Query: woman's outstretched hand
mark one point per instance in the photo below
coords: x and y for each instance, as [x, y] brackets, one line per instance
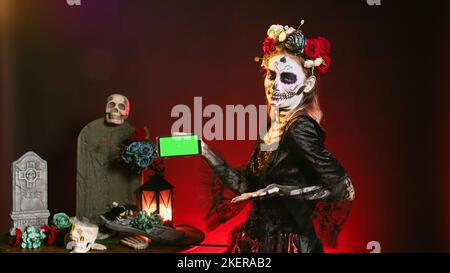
[248, 196]
[244, 197]
[271, 190]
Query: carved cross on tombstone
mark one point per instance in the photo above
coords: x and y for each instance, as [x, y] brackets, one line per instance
[29, 189]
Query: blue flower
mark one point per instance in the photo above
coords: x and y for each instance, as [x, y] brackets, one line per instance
[146, 222]
[140, 153]
[143, 162]
[156, 219]
[32, 237]
[133, 147]
[127, 157]
[61, 220]
[144, 149]
[147, 149]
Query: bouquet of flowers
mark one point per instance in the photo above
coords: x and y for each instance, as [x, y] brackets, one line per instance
[32, 237]
[141, 152]
[145, 222]
[315, 51]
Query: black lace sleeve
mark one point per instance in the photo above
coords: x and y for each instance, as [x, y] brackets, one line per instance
[220, 187]
[305, 138]
[234, 178]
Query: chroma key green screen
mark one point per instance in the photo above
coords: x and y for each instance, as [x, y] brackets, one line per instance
[178, 146]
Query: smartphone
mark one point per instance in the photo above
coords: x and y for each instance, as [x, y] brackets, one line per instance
[172, 146]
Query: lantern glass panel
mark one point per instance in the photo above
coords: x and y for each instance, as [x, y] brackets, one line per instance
[150, 204]
[165, 205]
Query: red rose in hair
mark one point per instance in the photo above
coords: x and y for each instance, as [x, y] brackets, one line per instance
[268, 45]
[325, 46]
[312, 48]
[18, 237]
[322, 69]
[139, 134]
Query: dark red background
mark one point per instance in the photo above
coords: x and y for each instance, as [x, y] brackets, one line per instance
[385, 98]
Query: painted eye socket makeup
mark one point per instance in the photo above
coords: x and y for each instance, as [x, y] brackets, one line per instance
[271, 75]
[288, 78]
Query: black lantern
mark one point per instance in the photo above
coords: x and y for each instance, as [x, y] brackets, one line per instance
[156, 195]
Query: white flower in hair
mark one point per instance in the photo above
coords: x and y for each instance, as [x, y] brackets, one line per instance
[308, 64]
[318, 62]
[274, 31]
[278, 32]
[282, 36]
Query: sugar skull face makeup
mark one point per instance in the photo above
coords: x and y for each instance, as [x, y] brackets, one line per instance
[284, 82]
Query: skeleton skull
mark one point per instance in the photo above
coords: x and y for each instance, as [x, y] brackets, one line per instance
[82, 237]
[117, 109]
[284, 82]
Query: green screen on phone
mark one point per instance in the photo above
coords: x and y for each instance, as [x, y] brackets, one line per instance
[178, 146]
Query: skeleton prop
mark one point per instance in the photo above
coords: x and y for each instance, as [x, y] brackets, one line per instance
[135, 242]
[82, 237]
[117, 109]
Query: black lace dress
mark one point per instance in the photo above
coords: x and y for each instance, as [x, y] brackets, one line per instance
[282, 223]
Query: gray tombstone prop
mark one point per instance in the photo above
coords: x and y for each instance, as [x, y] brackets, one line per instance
[29, 189]
[101, 178]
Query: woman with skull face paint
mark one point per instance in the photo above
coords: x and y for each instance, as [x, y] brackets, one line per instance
[301, 193]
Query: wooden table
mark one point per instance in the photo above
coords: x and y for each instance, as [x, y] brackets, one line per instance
[193, 237]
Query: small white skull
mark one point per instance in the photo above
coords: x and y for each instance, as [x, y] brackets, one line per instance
[117, 109]
[83, 236]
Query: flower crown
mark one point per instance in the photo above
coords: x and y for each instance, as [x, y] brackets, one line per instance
[315, 51]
